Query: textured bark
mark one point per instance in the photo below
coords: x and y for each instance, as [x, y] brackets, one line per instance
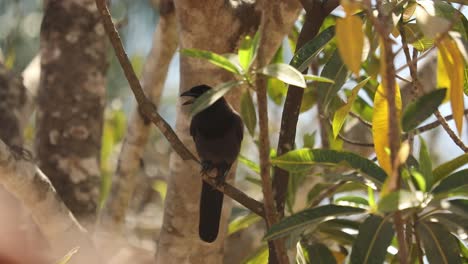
[154, 76]
[71, 100]
[217, 26]
[13, 101]
[28, 184]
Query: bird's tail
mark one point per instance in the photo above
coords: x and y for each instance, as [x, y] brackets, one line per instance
[211, 204]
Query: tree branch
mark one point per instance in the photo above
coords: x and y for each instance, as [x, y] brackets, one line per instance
[25, 181]
[165, 43]
[450, 132]
[149, 110]
[316, 12]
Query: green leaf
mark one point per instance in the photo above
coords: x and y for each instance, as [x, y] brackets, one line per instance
[303, 159]
[65, 259]
[300, 220]
[243, 222]
[245, 53]
[260, 256]
[248, 112]
[440, 246]
[454, 223]
[277, 89]
[375, 235]
[399, 200]
[342, 112]
[336, 70]
[355, 201]
[309, 140]
[452, 182]
[249, 163]
[214, 58]
[425, 164]
[315, 78]
[211, 96]
[307, 53]
[319, 254]
[285, 73]
[419, 110]
[448, 167]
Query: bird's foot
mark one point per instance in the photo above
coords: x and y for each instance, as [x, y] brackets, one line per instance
[221, 180]
[206, 167]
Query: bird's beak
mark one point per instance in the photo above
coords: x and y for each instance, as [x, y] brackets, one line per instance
[191, 100]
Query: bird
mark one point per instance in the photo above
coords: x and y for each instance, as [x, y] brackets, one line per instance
[217, 131]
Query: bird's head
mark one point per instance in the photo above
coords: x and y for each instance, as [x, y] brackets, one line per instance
[195, 92]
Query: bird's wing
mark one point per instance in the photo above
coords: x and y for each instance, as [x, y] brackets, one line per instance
[239, 126]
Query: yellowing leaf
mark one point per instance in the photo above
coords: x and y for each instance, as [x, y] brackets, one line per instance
[350, 7]
[350, 41]
[443, 80]
[454, 66]
[342, 112]
[380, 126]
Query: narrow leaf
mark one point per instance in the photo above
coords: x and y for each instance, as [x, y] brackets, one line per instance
[335, 70]
[307, 53]
[342, 112]
[380, 126]
[242, 222]
[285, 73]
[448, 167]
[454, 67]
[302, 219]
[425, 163]
[316, 78]
[319, 254]
[419, 110]
[452, 182]
[214, 58]
[245, 52]
[375, 235]
[65, 259]
[248, 112]
[439, 245]
[350, 41]
[249, 163]
[211, 96]
[303, 159]
[399, 200]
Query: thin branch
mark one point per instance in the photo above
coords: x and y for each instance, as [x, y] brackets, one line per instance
[354, 142]
[146, 106]
[450, 132]
[362, 120]
[149, 110]
[434, 124]
[155, 70]
[326, 193]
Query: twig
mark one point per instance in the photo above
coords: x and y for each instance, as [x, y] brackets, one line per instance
[325, 193]
[149, 110]
[434, 124]
[362, 120]
[450, 132]
[354, 142]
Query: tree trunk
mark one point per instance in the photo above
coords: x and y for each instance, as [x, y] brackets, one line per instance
[216, 26]
[71, 101]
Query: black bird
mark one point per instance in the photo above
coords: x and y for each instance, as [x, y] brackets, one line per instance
[217, 131]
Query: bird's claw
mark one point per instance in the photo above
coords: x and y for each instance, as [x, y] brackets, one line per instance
[206, 167]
